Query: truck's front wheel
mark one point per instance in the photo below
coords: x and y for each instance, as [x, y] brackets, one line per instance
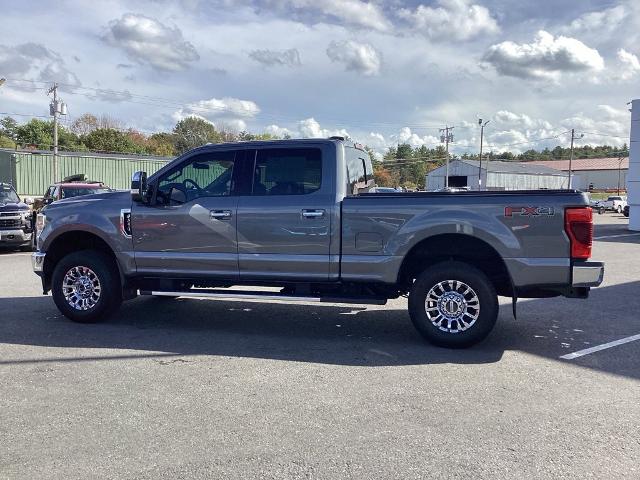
[86, 287]
[453, 305]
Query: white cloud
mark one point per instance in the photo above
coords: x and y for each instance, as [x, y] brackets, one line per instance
[34, 61]
[598, 21]
[351, 12]
[630, 65]
[271, 58]
[452, 19]
[148, 41]
[221, 107]
[547, 57]
[310, 128]
[278, 131]
[225, 113]
[362, 58]
[505, 117]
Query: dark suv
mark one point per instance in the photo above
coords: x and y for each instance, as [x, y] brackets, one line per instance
[15, 219]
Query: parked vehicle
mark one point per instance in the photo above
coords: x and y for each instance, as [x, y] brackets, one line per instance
[297, 215]
[614, 203]
[73, 186]
[15, 219]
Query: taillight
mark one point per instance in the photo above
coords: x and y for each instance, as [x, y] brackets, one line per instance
[578, 223]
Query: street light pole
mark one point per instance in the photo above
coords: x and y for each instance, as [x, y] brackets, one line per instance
[481, 140]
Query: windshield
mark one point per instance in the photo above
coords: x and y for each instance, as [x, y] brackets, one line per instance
[8, 195]
[69, 192]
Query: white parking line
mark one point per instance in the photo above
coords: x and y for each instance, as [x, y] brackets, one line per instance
[616, 236]
[597, 348]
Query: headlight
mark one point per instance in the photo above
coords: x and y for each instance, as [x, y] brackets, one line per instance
[41, 221]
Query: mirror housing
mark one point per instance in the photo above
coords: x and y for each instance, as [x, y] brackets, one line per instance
[138, 186]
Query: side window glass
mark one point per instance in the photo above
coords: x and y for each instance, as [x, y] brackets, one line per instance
[205, 175]
[359, 170]
[287, 171]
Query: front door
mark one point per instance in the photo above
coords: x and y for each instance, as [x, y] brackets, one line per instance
[284, 222]
[189, 227]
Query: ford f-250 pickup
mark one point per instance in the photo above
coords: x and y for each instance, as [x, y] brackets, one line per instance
[296, 215]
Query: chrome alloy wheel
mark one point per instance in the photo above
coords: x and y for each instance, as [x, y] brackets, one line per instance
[452, 306]
[81, 288]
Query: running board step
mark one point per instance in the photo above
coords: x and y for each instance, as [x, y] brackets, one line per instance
[253, 295]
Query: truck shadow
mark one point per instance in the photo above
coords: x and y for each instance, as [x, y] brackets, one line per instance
[152, 327]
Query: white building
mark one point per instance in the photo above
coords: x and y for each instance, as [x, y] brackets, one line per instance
[500, 176]
[599, 173]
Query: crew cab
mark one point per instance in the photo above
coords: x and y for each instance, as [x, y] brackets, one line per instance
[296, 215]
[615, 203]
[15, 219]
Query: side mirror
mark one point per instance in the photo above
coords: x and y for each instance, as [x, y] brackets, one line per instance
[138, 186]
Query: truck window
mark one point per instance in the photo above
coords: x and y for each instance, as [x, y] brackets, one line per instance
[204, 175]
[359, 170]
[287, 171]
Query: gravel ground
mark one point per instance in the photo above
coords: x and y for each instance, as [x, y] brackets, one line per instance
[208, 389]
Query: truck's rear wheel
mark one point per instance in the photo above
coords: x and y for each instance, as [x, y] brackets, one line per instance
[453, 304]
[86, 287]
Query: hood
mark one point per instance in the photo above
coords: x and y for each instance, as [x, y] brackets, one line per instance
[12, 207]
[100, 201]
[116, 196]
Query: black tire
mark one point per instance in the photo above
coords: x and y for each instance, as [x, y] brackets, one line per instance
[454, 334]
[619, 209]
[601, 210]
[106, 272]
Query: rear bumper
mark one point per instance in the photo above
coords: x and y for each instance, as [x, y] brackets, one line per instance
[587, 274]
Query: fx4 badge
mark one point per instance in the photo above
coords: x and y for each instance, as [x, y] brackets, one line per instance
[528, 211]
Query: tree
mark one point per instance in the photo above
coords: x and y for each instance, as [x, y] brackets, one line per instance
[8, 127]
[161, 144]
[192, 132]
[110, 140]
[84, 124]
[6, 142]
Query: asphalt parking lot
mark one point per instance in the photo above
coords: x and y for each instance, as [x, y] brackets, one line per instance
[202, 389]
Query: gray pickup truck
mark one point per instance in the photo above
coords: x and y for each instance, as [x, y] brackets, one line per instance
[297, 215]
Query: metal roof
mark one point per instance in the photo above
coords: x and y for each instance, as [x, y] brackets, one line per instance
[525, 168]
[578, 164]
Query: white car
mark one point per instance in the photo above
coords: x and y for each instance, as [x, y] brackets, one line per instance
[614, 203]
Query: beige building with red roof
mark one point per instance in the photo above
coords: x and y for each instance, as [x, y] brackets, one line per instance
[600, 173]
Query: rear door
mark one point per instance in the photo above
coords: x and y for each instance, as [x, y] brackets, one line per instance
[189, 227]
[284, 221]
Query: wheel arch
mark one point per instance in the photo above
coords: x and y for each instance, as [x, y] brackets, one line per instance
[73, 241]
[459, 247]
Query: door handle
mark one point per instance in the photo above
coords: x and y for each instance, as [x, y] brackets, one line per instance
[220, 214]
[312, 213]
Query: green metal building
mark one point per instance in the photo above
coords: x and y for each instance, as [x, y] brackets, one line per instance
[30, 171]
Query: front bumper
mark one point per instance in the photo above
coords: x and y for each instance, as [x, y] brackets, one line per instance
[37, 261]
[14, 237]
[587, 274]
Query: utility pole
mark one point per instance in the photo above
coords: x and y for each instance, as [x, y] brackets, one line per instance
[619, 172]
[482, 125]
[56, 108]
[446, 136]
[573, 137]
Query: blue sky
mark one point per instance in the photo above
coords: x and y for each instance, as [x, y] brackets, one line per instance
[382, 72]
